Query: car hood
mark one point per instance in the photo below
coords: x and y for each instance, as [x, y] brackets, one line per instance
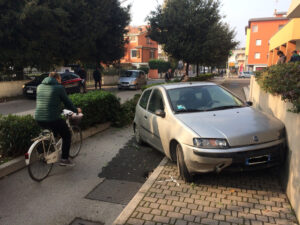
[127, 79]
[238, 126]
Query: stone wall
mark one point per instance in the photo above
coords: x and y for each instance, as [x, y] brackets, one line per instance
[11, 88]
[273, 105]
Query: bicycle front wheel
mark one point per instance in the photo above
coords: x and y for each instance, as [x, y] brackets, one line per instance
[38, 167]
[76, 141]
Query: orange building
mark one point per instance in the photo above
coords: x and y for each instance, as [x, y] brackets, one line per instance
[259, 31]
[140, 48]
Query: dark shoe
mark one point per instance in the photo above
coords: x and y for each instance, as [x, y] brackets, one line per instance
[66, 162]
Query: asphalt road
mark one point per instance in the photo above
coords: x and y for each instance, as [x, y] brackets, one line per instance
[27, 106]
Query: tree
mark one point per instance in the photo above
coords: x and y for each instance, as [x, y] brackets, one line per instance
[186, 30]
[46, 33]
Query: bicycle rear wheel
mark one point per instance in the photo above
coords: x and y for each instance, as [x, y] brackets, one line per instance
[76, 141]
[38, 168]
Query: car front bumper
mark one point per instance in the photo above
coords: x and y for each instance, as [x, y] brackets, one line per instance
[127, 86]
[238, 159]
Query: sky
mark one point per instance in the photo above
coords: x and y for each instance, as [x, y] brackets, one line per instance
[236, 12]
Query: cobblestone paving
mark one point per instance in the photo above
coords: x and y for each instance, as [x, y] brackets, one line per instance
[252, 198]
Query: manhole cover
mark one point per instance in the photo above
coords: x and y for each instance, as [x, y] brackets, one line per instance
[115, 191]
[79, 221]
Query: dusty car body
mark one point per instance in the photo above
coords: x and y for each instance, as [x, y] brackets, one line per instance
[132, 79]
[209, 131]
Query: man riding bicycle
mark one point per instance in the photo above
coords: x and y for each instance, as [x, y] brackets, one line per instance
[49, 96]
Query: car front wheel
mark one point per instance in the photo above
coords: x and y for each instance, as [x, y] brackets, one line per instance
[181, 166]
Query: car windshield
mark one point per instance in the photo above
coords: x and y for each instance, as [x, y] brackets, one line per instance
[130, 74]
[202, 98]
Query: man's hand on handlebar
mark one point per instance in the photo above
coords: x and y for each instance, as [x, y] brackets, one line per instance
[79, 110]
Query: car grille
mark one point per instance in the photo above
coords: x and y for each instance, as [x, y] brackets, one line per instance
[125, 82]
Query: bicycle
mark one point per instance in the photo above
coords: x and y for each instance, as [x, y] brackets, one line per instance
[45, 150]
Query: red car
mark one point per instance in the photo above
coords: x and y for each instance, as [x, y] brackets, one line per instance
[71, 81]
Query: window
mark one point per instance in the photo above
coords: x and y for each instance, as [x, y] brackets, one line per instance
[254, 28]
[148, 40]
[135, 53]
[132, 38]
[258, 42]
[152, 54]
[257, 56]
[156, 101]
[144, 99]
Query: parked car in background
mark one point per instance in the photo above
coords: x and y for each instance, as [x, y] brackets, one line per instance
[246, 74]
[71, 82]
[132, 79]
[206, 128]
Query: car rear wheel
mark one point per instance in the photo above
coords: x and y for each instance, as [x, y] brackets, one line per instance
[138, 135]
[182, 169]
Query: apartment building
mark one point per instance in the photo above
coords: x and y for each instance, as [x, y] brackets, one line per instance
[140, 48]
[259, 31]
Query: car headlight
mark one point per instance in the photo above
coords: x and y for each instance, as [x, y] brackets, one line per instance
[281, 134]
[210, 143]
[23, 86]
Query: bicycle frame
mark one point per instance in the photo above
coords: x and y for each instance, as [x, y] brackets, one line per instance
[53, 156]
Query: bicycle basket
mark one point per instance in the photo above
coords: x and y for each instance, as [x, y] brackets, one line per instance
[75, 119]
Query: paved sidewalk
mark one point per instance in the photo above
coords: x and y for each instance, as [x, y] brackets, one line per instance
[252, 198]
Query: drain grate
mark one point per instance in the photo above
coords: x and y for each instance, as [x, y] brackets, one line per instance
[79, 221]
[115, 191]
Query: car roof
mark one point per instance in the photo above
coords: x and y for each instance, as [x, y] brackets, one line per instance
[185, 84]
[135, 70]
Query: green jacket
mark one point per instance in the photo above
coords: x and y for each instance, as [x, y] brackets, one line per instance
[49, 96]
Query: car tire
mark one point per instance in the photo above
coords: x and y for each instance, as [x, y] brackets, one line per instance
[181, 166]
[137, 135]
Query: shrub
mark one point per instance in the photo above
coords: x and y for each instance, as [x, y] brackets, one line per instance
[126, 114]
[161, 65]
[202, 77]
[97, 106]
[145, 69]
[16, 133]
[284, 80]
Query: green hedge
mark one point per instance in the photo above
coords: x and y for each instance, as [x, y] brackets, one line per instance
[16, 133]
[126, 114]
[97, 106]
[161, 65]
[202, 77]
[284, 80]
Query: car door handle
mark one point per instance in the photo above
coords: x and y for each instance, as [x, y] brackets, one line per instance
[145, 117]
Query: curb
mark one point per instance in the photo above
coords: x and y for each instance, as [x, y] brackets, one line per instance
[19, 163]
[131, 206]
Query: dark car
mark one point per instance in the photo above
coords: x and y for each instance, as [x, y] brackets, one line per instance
[71, 82]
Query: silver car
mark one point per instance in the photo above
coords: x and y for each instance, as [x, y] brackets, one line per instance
[132, 79]
[205, 128]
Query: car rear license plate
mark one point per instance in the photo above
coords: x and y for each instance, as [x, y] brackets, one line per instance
[258, 160]
[30, 91]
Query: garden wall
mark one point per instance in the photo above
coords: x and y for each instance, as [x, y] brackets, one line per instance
[273, 105]
[11, 88]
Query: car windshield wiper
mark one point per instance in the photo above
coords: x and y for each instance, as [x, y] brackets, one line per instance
[189, 110]
[224, 107]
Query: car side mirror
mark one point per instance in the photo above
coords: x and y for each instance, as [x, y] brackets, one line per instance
[160, 113]
[249, 103]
